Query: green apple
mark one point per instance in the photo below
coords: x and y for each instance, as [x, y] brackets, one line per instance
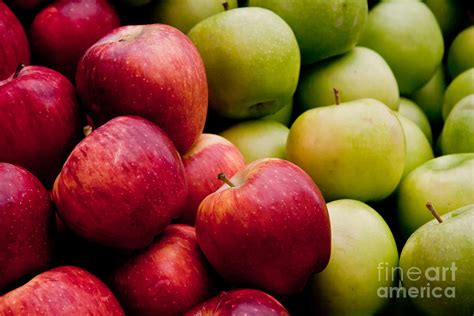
[461, 52]
[418, 148]
[352, 150]
[440, 257]
[361, 244]
[413, 112]
[258, 139]
[446, 181]
[408, 37]
[184, 14]
[458, 131]
[283, 115]
[460, 87]
[252, 61]
[449, 13]
[358, 74]
[323, 28]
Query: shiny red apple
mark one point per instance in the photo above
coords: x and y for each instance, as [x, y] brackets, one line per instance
[122, 184]
[153, 71]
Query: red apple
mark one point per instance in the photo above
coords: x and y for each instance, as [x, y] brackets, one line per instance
[167, 278]
[64, 30]
[14, 48]
[268, 228]
[26, 222]
[209, 156]
[240, 302]
[40, 120]
[66, 290]
[153, 71]
[122, 184]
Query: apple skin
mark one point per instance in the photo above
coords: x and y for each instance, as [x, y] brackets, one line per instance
[252, 61]
[414, 113]
[458, 131]
[450, 15]
[344, 148]
[439, 245]
[240, 302]
[452, 173]
[159, 74]
[209, 156]
[283, 115]
[461, 51]
[258, 139]
[15, 48]
[65, 290]
[64, 30]
[41, 120]
[167, 278]
[460, 87]
[26, 225]
[360, 73]
[122, 184]
[323, 28]
[271, 231]
[412, 56]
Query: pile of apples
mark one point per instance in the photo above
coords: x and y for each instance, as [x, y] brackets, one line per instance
[213, 157]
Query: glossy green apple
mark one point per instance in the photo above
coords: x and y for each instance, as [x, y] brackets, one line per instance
[440, 255]
[358, 74]
[446, 181]
[461, 52]
[352, 150]
[449, 13]
[323, 28]
[361, 244]
[413, 112]
[258, 139]
[412, 55]
[252, 61]
[460, 87]
[184, 14]
[458, 131]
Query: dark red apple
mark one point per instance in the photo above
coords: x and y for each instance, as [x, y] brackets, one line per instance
[268, 228]
[14, 48]
[64, 30]
[122, 184]
[167, 278]
[66, 290]
[240, 302]
[40, 120]
[26, 223]
[153, 71]
[209, 156]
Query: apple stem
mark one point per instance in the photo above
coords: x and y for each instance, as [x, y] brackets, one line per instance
[18, 69]
[225, 4]
[87, 130]
[221, 176]
[336, 96]
[433, 211]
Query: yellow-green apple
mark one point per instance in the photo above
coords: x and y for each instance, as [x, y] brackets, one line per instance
[322, 28]
[14, 49]
[361, 73]
[362, 244]
[446, 181]
[414, 113]
[413, 56]
[122, 184]
[209, 156]
[460, 87]
[267, 227]
[439, 256]
[26, 225]
[458, 131]
[167, 278]
[64, 30]
[252, 61]
[159, 74]
[41, 121]
[450, 15]
[258, 139]
[184, 14]
[62, 291]
[460, 53]
[345, 149]
[240, 302]
[283, 115]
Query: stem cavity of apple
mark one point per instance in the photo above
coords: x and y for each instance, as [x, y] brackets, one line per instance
[336, 96]
[221, 176]
[87, 130]
[225, 4]
[18, 69]
[433, 211]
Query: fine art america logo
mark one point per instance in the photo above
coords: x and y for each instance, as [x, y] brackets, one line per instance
[426, 280]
